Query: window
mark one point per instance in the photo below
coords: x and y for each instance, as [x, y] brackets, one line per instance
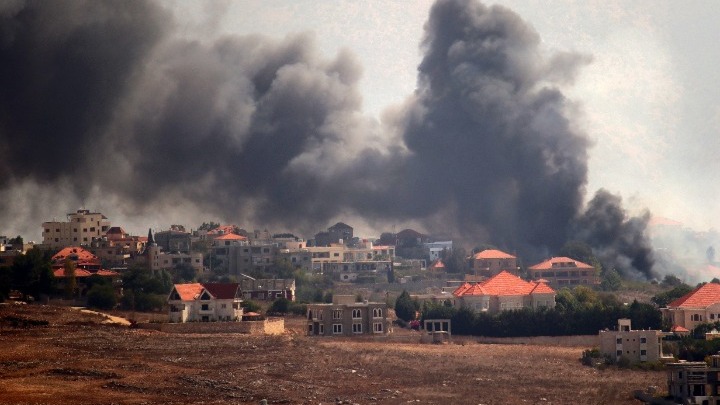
[619, 353]
[92, 229]
[337, 328]
[322, 329]
[618, 341]
[377, 312]
[643, 352]
[223, 306]
[84, 230]
[643, 340]
[356, 314]
[310, 329]
[377, 327]
[337, 313]
[320, 314]
[205, 307]
[357, 328]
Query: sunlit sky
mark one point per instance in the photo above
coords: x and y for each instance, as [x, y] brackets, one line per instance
[649, 98]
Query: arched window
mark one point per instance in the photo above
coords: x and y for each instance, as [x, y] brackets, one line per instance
[356, 314]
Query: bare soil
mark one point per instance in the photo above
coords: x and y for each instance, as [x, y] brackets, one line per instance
[58, 355]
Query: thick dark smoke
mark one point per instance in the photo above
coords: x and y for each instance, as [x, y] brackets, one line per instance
[103, 101]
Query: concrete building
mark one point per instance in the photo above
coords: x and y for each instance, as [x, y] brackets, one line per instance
[81, 228]
[435, 249]
[267, 289]
[698, 306]
[634, 345]
[693, 382]
[173, 241]
[345, 317]
[206, 302]
[504, 291]
[491, 262]
[563, 272]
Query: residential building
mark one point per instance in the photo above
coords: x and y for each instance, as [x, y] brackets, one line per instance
[345, 317]
[410, 238]
[340, 233]
[205, 302]
[173, 241]
[157, 260]
[267, 289]
[225, 248]
[86, 265]
[696, 307]
[694, 382]
[504, 291]
[491, 262]
[564, 271]
[435, 249]
[81, 228]
[437, 267]
[634, 345]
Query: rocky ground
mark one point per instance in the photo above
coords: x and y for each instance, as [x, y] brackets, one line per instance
[56, 355]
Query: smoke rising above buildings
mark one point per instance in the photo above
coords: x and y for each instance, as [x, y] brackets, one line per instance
[102, 101]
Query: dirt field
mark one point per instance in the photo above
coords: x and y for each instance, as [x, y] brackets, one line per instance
[75, 359]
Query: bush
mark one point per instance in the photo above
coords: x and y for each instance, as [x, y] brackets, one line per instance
[250, 306]
[102, 297]
[298, 308]
[279, 306]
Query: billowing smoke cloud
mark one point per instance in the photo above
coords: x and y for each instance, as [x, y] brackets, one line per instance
[105, 103]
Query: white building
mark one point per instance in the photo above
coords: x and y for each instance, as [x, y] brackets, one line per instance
[435, 249]
[206, 302]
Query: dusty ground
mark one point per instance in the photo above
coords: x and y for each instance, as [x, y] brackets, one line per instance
[75, 359]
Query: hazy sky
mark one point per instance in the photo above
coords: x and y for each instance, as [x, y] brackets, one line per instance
[649, 97]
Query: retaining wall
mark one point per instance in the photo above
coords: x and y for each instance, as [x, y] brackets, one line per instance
[272, 326]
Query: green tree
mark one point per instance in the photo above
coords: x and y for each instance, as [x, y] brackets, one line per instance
[671, 280]
[279, 306]
[455, 260]
[32, 274]
[611, 280]
[404, 307]
[663, 299]
[208, 226]
[102, 297]
[4, 283]
[250, 306]
[184, 272]
[18, 240]
[69, 279]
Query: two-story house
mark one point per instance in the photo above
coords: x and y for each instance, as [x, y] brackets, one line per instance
[564, 271]
[634, 345]
[491, 262]
[345, 317]
[698, 306]
[504, 291]
[205, 302]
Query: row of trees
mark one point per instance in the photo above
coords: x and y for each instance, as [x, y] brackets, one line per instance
[581, 311]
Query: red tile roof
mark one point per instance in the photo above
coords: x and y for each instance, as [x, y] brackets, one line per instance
[192, 291]
[79, 273]
[83, 256]
[438, 264]
[503, 283]
[493, 254]
[560, 262]
[223, 229]
[701, 297]
[230, 236]
[189, 292]
[678, 328]
[222, 291]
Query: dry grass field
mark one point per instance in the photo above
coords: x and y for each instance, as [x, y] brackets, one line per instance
[75, 359]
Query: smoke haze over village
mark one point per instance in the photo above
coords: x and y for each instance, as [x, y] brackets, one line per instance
[154, 113]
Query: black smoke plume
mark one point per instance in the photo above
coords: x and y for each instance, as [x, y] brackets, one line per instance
[101, 101]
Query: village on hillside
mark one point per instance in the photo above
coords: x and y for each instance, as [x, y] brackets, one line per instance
[225, 279]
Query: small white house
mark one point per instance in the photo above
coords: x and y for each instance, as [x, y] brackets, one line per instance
[205, 302]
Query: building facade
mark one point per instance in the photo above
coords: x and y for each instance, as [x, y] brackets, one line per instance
[345, 317]
[694, 382]
[634, 345]
[205, 302]
[81, 228]
[491, 262]
[698, 306]
[268, 289]
[504, 291]
[564, 271]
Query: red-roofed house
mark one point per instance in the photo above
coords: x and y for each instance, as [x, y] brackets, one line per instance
[205, 302]
[504, 291]
[696, 307]
[491, 262]
[437, 266]
[564, 271]
[86, 265]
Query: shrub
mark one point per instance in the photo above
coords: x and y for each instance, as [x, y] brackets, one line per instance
[102, 297]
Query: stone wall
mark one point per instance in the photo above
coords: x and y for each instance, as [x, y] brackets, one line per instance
[587, 341]
[271, 326]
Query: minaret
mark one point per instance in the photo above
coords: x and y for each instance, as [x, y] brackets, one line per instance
[151, 250]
